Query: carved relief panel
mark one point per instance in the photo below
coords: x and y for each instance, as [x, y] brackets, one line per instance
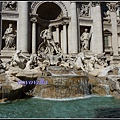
[84, 9]
[9, 6]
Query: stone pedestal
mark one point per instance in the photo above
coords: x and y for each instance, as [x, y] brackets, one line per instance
[6, 55]
[115, 60]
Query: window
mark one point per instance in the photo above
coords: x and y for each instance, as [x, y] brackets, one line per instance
[106, 41]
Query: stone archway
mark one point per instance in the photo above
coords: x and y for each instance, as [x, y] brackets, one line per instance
[35, 6]
[49, 13]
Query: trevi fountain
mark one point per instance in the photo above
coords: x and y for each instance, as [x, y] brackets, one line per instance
[51, 76]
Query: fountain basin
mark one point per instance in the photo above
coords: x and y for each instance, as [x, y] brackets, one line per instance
[58, 87]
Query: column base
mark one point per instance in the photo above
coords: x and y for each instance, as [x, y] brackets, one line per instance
[6, 55]
[115, 60]
[26, 54]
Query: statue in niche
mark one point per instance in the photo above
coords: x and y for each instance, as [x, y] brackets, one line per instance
[84, 10]
[85, 37]
[9, 5]
[9, 37]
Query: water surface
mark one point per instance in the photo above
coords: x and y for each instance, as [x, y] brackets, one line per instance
[92, 107]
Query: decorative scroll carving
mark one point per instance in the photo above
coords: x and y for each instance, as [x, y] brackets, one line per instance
[9, 5]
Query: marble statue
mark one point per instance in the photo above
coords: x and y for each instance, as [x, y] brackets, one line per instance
[9, 37]
[64, 61]
[29, 64]
[16, 61]
[49, 49]
[48, 46]
[79, 63]
[93, 63]
[85, 37]
[46, 34]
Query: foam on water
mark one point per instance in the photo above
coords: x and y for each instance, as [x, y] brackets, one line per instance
[5, 102]
[69, 99]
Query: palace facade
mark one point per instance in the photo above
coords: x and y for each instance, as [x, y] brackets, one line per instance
[68, 20]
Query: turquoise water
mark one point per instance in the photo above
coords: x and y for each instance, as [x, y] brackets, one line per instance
[93, 107]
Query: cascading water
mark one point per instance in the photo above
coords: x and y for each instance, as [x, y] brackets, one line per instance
[62, 85]
[105, 86]
[107, 89]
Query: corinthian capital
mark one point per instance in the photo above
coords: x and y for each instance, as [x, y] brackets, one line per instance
[112, 6]
[33, 17]
[94, 4]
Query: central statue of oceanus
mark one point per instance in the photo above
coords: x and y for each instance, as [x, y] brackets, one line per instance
[49, 46]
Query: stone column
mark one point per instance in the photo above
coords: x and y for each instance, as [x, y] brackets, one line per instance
[57, 33]
[34, 20]
[110, 40]
[73, 42]
[33, 38]
[64, 40]
[0, 26]
[112, 7]
[97, 36]
[22, 28]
